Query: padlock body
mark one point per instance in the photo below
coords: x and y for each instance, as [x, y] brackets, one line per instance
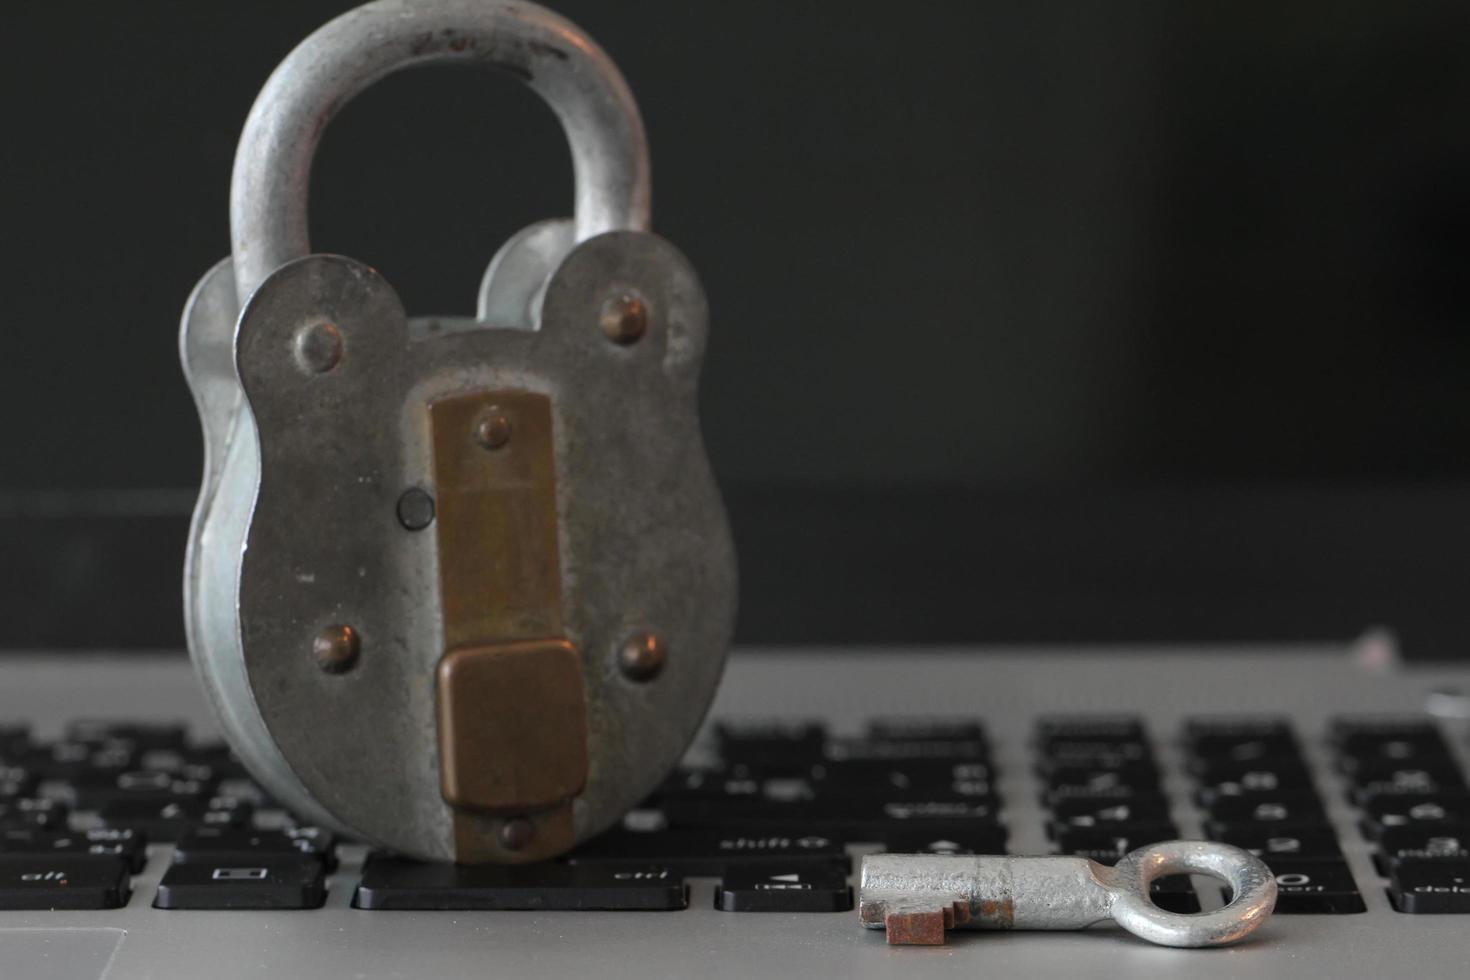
[598, 519]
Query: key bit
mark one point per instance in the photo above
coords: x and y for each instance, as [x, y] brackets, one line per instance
[918, 897]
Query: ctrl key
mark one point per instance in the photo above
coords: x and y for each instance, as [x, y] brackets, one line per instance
[63, 881]
[1430, 887]
[390, 883]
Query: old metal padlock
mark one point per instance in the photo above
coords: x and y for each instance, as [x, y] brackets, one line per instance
[459, 588]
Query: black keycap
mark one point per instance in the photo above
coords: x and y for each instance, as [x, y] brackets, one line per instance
[902, 771]
[1417, 844]
[218, 808]
[1265, 743]
[1391, 755]
[22, 812]
[141, 734]
[62, 881]
[1092, 813]
[245, 790]
[757, 770]
[1175, 894]
[1139, 773]
[96, 791]
[1219, 770]
[241, 845]
[926, 729]
[273, 817]
[959, 839]
[783, 888]
[1344, 727]
[1416, 810]
[1260, 750]
[216, 756]
[1271, 809]
[280, 883]
[711, 854]
[98, 841]
[1246, 780]
[911, 813]
[846, 818]
[875, 777]
[780, 789]
[1094, 728]
[184, 764]
[393, 883]
[1086, 754]
[1100, 784]
[165, 822]
[66, 761]
[15, 781]
[1395, 779]
[1314, 887]
[977, 791]
[1428, 750]
[1388, 739]
[1431, 887]
[715, 783]
[779, 741]
[1265, 842]
[1223, 830]
[1235, 727]
[1108, 847]
[907, 750]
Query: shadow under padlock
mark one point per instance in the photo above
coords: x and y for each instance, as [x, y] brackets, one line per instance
[460, 588]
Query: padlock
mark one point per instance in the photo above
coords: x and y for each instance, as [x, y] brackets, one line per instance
[459, 588]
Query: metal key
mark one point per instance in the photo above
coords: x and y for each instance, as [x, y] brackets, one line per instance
[916, 897]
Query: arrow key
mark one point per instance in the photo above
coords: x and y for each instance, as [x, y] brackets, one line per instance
[779, 888]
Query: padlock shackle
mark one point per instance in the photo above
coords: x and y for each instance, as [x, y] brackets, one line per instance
[268, 194]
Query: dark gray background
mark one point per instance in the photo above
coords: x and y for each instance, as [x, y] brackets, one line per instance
[1057, 321]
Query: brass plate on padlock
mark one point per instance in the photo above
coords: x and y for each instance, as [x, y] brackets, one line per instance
[512, 706]
[495, 484]
[512, 726]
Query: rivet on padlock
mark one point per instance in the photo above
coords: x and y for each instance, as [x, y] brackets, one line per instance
[460, 588]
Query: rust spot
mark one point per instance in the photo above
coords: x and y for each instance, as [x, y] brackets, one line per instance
[916, 928]
[1001, 913]
[449, 38]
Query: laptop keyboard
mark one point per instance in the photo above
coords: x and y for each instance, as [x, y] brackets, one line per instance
[776, 815]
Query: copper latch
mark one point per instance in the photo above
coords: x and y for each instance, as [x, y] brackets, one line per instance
[512, 703]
